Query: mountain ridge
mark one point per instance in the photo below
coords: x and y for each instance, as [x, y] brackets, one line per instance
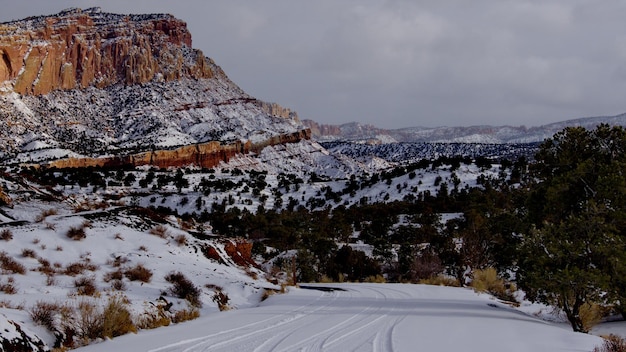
[486, 134]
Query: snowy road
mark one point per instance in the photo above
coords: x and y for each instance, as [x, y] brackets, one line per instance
[362, 317]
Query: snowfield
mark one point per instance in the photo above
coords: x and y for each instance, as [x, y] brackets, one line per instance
[362, 317]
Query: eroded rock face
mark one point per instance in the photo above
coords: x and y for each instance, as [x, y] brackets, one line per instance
[15, 338]
[207, 155]
[81, 48]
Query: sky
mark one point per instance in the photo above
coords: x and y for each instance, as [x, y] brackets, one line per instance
[406, 63]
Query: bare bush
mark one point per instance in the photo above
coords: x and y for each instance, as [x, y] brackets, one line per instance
[159, 231]
[44, 313]
[45, 213]
[86, 286]
[182, 287]
[185, 315]
[441, 280]
[117, 319]
[181, 240]
[28, 253]
[138, 273]
[76, 233]
[10, 265]
[487, 280]
[612, 343]
[8, 287]
[6, 235]
[78, 268]
[113, 275]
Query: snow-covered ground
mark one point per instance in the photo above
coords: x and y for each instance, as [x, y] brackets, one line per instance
[363, 317]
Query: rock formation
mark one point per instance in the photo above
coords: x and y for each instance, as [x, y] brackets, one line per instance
[81, 48]
[83, 84]
[207, 155]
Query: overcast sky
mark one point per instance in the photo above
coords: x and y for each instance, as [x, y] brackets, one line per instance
[405, 63]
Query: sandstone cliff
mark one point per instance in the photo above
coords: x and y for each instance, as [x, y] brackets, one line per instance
[208, 155]
[81, 48]
[83, 84]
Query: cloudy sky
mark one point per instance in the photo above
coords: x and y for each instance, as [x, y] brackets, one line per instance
[404, 63]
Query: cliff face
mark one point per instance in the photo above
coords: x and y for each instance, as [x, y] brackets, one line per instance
[81, 48]
[83, 84]
[207, 155]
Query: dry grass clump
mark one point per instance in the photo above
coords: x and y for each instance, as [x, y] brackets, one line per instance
[591, 313]
[10, 265]
[181, 240]
[45, 314]
[117, 319]
[185, 315]
[612, 343]
[28, 253]
[45, 213]
[375, 279]
[159, 231]
[76, 233]
[138, 273]
[6, 235]
[78, 268]
[441, 280]
[182, 287]
[8, 287]
[86, 286]
[113, 275]
[487, 280]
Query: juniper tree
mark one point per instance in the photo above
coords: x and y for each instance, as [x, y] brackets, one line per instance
[574, 252]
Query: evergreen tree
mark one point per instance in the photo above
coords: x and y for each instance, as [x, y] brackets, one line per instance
[574, 252]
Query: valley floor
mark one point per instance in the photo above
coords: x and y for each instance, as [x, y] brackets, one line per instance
[362, 317]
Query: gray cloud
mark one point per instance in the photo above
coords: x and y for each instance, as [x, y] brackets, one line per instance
[400, 63]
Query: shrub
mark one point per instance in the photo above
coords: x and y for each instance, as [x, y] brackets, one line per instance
[612, 343]
[113, 275]
[28, 253]
[222, 300]
[159, 231]
[184, 288]
[10, 265]
[43, 313]
[181, 240]
[117, 318]
[44, 214]
[85, 286]
[78, 268]
[375, 279]
[441, 280]
[138, 273]
[118, 285]
[487, 280]
[6, 235]
[76, 233]
[185, 315]
[591, 314]
[8, 287]
[89, 320]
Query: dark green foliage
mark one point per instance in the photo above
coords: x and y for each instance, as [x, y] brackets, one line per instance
[575, 251]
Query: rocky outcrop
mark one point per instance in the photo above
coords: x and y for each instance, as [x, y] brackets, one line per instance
[207, 155]
[15, 338]
[81, 48]
[4, 198]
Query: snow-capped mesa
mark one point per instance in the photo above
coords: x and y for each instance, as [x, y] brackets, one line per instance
[89, 83]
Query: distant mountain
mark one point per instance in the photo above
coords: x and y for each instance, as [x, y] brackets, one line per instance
[472, 134]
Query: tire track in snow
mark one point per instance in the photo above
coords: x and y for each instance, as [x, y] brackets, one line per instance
[226, 339]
